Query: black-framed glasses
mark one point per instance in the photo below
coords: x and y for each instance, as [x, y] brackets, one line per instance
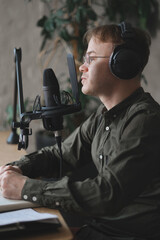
[88, 59]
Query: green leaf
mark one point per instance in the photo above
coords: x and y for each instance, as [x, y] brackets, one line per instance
[79, 2]
[59, 13]
[78, 16]
[91, 14]
[41, 21]
[70, 5]
[65, 35]
[49, 25]
[61, 21]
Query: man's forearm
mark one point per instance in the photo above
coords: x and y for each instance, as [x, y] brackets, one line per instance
[40, 163]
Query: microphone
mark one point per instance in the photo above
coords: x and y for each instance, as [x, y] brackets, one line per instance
[53, 122]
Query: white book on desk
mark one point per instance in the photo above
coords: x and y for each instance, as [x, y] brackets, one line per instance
[9, 204]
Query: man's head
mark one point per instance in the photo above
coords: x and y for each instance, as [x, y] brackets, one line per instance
[131, 48]
[102, 56]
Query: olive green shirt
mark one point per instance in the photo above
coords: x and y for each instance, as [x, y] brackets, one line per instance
[123, 144]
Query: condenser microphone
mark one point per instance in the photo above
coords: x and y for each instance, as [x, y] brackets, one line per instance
[52, 99]
[53, 121]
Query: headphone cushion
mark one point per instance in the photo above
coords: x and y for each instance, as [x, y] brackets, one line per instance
[125, 63]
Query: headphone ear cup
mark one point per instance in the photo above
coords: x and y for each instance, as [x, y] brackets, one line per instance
[124, 62]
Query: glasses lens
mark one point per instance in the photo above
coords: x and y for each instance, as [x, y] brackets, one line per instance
[86, 59]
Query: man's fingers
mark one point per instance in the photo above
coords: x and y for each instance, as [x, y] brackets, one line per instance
[8, 168]
[4, 169]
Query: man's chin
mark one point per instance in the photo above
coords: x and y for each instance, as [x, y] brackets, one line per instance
[85, 91]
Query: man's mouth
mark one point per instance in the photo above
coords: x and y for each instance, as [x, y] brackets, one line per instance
[83, 78]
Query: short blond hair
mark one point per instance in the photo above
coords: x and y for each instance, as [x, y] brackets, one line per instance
[104, 33]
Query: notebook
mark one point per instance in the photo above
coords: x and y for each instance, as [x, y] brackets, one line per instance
[9, 204]
[27, 221]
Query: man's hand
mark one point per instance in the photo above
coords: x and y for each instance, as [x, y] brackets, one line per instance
[10, 167]
[11, 182]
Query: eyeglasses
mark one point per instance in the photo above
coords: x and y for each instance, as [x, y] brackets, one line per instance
[88, 59]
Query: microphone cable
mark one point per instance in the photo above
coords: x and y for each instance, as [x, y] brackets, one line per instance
[37, 104]
[58, 139]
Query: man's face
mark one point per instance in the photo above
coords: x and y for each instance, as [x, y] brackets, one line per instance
[97, 79]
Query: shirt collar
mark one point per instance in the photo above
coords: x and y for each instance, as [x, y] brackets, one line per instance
[116, 110]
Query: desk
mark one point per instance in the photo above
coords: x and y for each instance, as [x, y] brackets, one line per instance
[9, 153]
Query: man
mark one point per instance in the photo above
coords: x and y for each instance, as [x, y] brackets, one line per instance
[120, 142]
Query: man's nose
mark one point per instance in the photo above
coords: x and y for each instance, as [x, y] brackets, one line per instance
[83, 68]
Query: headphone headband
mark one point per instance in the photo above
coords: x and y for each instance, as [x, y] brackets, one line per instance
[127, 32]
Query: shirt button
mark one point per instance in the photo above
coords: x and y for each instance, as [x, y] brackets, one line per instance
[57, 203]
[101, 156]
[34, 199]
[107, 128]
[114, 115]
[25, 197]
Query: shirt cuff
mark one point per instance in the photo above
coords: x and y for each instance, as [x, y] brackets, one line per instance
[51, 194]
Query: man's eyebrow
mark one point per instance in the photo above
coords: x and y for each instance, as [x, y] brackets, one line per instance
[90, 52]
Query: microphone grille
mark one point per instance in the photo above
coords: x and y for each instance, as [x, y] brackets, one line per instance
[49, 77]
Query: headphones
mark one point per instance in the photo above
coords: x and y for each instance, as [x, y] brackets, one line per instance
[125, 61]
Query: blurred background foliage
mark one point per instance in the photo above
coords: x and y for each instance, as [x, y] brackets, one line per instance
[71, 18]
[68, 20]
